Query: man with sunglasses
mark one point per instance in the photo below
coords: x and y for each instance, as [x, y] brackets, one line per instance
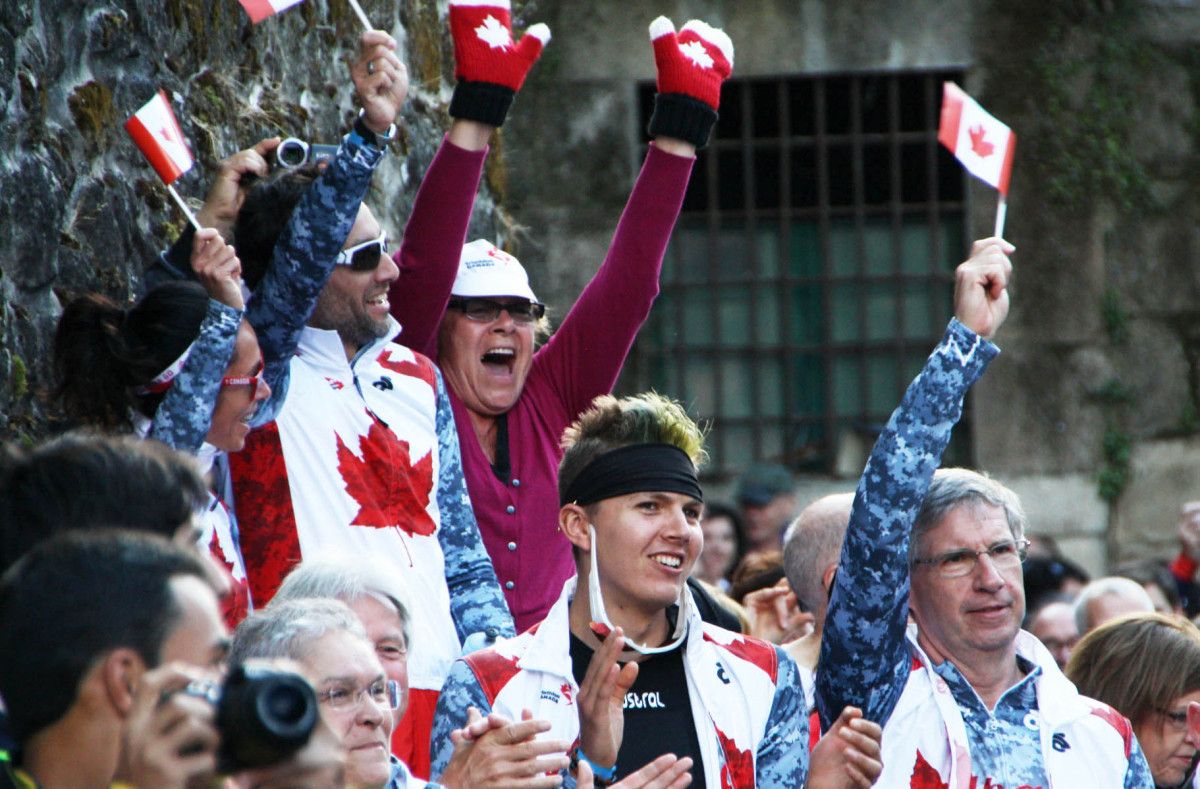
[965, 696]
[362, 457]
[479, 321]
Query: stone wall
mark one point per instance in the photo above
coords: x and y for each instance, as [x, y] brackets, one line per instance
[81, 210]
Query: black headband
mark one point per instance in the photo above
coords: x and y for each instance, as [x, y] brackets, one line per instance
[639, 468]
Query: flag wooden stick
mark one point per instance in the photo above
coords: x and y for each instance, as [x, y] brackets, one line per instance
[362, 17]
[184, 207]
[1001, 212]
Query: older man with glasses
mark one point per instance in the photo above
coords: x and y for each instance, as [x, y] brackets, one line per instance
[964, 695]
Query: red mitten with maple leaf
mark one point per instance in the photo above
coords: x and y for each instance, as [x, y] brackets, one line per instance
[489, 67]
[691, 67]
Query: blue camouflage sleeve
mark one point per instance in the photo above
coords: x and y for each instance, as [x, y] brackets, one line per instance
[303, 259]
[476, 602]
[185, 413]
[461, 690]
[864, 657]
[782, 758]
[1138, 775]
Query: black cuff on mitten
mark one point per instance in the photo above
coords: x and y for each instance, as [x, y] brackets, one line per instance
[485, 102]
[681, 116]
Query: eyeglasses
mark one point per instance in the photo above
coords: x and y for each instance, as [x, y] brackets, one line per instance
[384, 693]
[488, 310]
[364, 256]
[1005, 555]
[1177, 718]
[251, 380]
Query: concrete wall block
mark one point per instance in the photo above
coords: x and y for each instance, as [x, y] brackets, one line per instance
[1158, 400]
[1163, 475]
[1087, 552]
[1061, 506]
[1030, 412]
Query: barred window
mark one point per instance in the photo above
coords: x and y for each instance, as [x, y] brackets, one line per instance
[812, 268]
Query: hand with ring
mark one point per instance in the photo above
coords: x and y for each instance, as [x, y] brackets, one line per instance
[380, 80]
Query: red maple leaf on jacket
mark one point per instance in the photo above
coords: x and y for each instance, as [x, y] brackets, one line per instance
[420, 367]
[739, 765]
[925, 776]
[492, 670]
[389, 488]
[982, 148]
[754, 651]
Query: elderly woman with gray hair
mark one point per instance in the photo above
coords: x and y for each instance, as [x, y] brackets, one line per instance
[356, 698]
[494, 753]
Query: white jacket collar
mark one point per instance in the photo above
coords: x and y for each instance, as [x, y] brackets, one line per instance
[1059, 701]
[550, 651]
[323, 348]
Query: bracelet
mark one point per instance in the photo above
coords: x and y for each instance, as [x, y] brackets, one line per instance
[373, 138]
[603, 775]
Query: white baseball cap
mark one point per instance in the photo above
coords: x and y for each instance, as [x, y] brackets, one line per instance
[485, 270]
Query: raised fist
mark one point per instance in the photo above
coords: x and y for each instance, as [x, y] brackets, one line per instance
[489, 65]
[691, 67]
[981, 286]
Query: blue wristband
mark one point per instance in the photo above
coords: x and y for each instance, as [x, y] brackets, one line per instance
[604, 774]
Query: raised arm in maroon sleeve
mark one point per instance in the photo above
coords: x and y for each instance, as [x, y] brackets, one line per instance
[433, 241]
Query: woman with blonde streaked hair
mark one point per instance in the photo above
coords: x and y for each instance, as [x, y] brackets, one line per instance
[1146, 666]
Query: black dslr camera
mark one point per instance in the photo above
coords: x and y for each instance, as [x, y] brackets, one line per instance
[263, 715]
[294, 152]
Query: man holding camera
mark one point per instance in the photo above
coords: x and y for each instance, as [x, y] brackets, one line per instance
[100, 692]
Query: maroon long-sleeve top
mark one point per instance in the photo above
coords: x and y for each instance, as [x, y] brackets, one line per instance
[518, 516]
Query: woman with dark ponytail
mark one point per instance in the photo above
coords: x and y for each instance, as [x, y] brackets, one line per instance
[180, 365]
[108, 357]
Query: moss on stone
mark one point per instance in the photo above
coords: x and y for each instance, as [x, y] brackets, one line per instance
[91, 106]
[425, 35]
[20, 377]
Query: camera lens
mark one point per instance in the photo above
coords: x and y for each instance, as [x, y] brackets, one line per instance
[283, 706]
[291, 153]
[264, 716]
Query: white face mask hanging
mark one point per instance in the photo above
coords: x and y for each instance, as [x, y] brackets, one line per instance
[600, 616]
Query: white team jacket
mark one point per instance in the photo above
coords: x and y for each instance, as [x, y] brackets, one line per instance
[927, 724]
[731, 678]
[333, 459]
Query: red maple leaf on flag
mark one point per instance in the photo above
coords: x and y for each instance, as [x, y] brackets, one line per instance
[924, 776]
[390, 489]
[739, 765]
[982, 148]
[420, 368]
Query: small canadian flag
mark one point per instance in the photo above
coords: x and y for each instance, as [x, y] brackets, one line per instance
[983, 144]
[157, 133]
[261, 9]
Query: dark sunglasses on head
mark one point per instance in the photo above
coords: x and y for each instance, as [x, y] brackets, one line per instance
[245, 380]
[364, 256]
[488, 310]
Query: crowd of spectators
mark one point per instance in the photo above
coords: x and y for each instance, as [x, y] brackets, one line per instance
[330, 515]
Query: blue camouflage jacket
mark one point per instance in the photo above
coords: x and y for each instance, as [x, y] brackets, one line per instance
[870, 660]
